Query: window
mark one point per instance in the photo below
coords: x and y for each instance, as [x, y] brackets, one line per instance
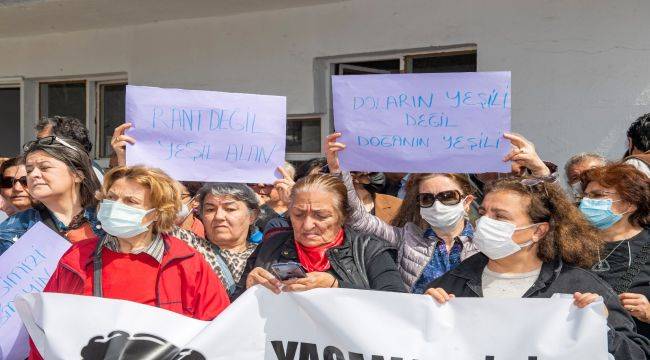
[111, 114]
[64, 99]
[460, 61]
[448, 61]
[10, 115]
[390, 66]
[303, 135]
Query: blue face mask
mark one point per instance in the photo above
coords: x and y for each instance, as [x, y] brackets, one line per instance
[599, 212]
[121, 220]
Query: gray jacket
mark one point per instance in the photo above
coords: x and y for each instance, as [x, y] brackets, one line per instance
[414, 251]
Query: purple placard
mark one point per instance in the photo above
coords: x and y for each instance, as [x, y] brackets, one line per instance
[25, 267]
[196, 135]
[419, 123]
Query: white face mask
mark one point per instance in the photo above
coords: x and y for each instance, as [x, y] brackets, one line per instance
[494, 238]
[442, 216]
[183, 213]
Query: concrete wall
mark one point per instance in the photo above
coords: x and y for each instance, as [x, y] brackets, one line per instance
[581, 68]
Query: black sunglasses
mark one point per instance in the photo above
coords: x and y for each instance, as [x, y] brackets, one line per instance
[7, 182]
[449, 197]
[48, 140]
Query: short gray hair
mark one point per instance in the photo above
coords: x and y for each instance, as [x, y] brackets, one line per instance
[239, 192]
[576, 159]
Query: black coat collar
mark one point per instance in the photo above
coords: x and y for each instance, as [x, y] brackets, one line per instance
[472, 271]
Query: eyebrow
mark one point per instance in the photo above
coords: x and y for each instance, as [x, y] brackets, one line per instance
[500, 210]
[496, 210]
[42, 162]
[130, 197]
[313, 209]
[217, 203]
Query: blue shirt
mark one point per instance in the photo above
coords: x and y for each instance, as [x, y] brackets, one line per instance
[441, 261]
[18, 224]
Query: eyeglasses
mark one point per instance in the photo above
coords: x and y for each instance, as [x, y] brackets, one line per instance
[7, 182]
[449, 197]
[534, 183]
[599, 194]
[48, 140]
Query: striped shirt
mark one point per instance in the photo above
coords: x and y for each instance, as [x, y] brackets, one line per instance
[156, 249]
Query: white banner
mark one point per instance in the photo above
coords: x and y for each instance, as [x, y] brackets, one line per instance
[323, 324]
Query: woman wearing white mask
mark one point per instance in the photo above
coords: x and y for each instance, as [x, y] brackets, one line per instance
[617, 200]
[433, 234]
[534, 243]
[137, 260]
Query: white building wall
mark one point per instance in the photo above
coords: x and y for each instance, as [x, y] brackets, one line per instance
[580, 68]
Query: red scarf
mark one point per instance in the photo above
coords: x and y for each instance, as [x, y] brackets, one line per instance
[315, 258]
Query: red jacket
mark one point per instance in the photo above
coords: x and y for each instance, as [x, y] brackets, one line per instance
[186, 283]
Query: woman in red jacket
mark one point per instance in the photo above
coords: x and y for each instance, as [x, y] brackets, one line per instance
[137, 260]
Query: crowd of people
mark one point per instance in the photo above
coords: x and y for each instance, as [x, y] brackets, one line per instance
[194, 248]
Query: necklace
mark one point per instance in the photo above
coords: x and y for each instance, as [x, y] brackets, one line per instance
[603, 265]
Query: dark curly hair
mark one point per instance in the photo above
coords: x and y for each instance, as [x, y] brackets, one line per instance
[9, 163]
[570, 236]
[639, 133]
[67, 127]
[309, 165]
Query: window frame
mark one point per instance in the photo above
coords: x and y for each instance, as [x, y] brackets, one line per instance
[98, 117]
[408, 59]
[92, 101]
[303, 156]
[17, 82]
[343, 67]
[67, 81]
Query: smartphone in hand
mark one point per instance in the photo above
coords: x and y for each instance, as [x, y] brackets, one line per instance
[288, 270]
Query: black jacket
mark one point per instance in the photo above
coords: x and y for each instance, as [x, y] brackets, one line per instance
[557, 277]
[618, 257]
[361, 262]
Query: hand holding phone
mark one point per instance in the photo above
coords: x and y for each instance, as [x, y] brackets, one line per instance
[288, 270]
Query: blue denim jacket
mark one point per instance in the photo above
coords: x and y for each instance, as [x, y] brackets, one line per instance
[16, 225]
[4, 245]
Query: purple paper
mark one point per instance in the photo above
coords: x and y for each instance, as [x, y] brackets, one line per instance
[196, 135]
[420, 123]
[25, 267]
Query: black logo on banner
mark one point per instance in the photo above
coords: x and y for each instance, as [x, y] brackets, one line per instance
[119, 345]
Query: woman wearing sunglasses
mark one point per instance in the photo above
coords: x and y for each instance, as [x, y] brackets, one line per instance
[534, 243]
[61, 178]
[617, 201]
[13, 186]
[432, 232]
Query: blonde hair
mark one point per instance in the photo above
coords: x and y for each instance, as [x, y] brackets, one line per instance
[165, 197]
